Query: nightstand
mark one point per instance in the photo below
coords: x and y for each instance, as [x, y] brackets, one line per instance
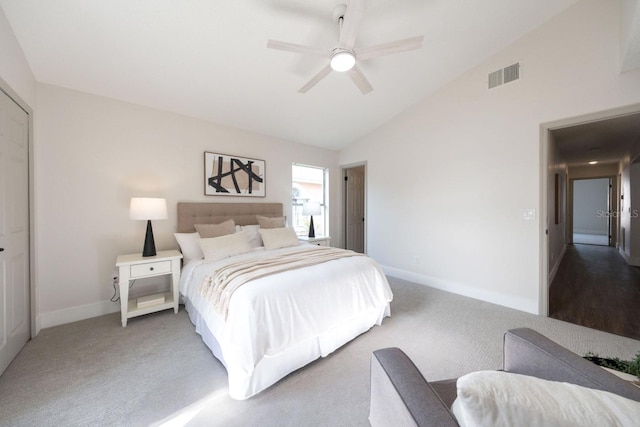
[135, 266]
[318, 240]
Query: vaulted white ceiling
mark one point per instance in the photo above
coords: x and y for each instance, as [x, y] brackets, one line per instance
[208, 58]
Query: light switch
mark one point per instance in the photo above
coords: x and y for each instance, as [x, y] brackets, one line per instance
[529, 214]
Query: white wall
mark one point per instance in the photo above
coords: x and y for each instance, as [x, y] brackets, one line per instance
[455, 171]
[633, 211]
[95, 153]
[630, 35]
[14, 69]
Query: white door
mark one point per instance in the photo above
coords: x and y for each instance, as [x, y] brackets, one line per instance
[355, 209]
[14, 230]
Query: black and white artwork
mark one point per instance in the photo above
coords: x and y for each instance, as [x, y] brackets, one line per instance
[227, 175]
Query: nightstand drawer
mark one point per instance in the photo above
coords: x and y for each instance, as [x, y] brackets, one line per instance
[150, 269]
[318, 241]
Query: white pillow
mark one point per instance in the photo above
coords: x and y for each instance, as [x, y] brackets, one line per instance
[494, 398]
[253, 231]
[274, 238]
[217, 248]
[189, 246]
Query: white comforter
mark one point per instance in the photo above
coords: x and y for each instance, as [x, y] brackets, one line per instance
[278, 323]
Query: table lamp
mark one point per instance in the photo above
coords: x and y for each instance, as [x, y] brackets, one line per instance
[145, 208]
[311, 209]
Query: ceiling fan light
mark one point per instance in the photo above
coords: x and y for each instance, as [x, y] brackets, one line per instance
[342, 61]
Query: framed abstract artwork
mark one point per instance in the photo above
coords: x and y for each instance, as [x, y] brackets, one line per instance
[226, 175]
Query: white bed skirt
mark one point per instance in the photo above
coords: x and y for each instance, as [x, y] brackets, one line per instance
[272, 368]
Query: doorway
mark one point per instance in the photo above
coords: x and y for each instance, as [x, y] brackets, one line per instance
[592, 213]
[354, 207]
[593, 146]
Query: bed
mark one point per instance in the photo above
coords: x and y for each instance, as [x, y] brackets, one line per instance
[281, 321]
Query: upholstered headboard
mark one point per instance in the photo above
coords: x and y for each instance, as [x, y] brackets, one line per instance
[215, 213]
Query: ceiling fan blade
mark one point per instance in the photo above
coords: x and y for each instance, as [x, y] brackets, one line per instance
[389, 48]
[315, 79]
[360, 80]
[350, 24]
[298, 48]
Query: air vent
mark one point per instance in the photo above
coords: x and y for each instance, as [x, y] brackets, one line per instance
[505, 75]
[511, 73]
[495, 79]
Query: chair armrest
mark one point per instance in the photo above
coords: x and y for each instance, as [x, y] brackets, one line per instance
[401, 396]
[527, 352]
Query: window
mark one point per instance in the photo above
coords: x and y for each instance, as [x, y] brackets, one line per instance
[309, 184]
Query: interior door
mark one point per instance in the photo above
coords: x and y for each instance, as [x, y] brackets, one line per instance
[355, 208]
[14, 230]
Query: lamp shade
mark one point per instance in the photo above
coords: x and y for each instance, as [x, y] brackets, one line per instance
[311, 208]
[145, 208]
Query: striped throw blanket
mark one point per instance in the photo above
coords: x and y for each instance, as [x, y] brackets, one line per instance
[220, 286]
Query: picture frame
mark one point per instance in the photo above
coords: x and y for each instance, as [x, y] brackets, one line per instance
[559, 201]
[228, 175]
[556, 200]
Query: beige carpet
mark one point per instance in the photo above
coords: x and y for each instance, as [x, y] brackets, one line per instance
[157, 371]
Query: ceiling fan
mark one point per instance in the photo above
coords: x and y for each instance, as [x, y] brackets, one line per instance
[344, 57]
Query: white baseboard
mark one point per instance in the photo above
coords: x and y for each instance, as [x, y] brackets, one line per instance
[631, 260]
[589, 231]
[529, 306]
[634, 261]
[73, 314]
[623, 253]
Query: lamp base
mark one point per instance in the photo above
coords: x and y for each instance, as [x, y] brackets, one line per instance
[312, 232]
[149, 244]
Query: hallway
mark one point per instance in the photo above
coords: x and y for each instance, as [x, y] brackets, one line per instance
[596, 288]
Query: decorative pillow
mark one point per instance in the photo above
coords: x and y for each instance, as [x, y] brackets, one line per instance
[494, 398]
[254, 235]
[274, 238]
[267, 222]
[217, 248]
[216, 230]
[189, 246]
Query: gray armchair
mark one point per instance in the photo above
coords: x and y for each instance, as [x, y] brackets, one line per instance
[400, 396]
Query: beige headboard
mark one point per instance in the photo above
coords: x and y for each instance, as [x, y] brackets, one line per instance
[214, 213]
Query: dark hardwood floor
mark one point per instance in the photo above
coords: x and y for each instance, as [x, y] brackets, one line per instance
[596, 288]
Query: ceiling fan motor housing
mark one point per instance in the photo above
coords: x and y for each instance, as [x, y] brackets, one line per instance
[342, 59]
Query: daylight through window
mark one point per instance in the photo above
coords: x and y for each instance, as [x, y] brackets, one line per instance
[309, 185]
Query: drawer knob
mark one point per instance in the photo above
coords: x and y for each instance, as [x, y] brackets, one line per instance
[151, 268]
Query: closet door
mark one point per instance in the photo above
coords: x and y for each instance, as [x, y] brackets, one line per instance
[14, 230]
